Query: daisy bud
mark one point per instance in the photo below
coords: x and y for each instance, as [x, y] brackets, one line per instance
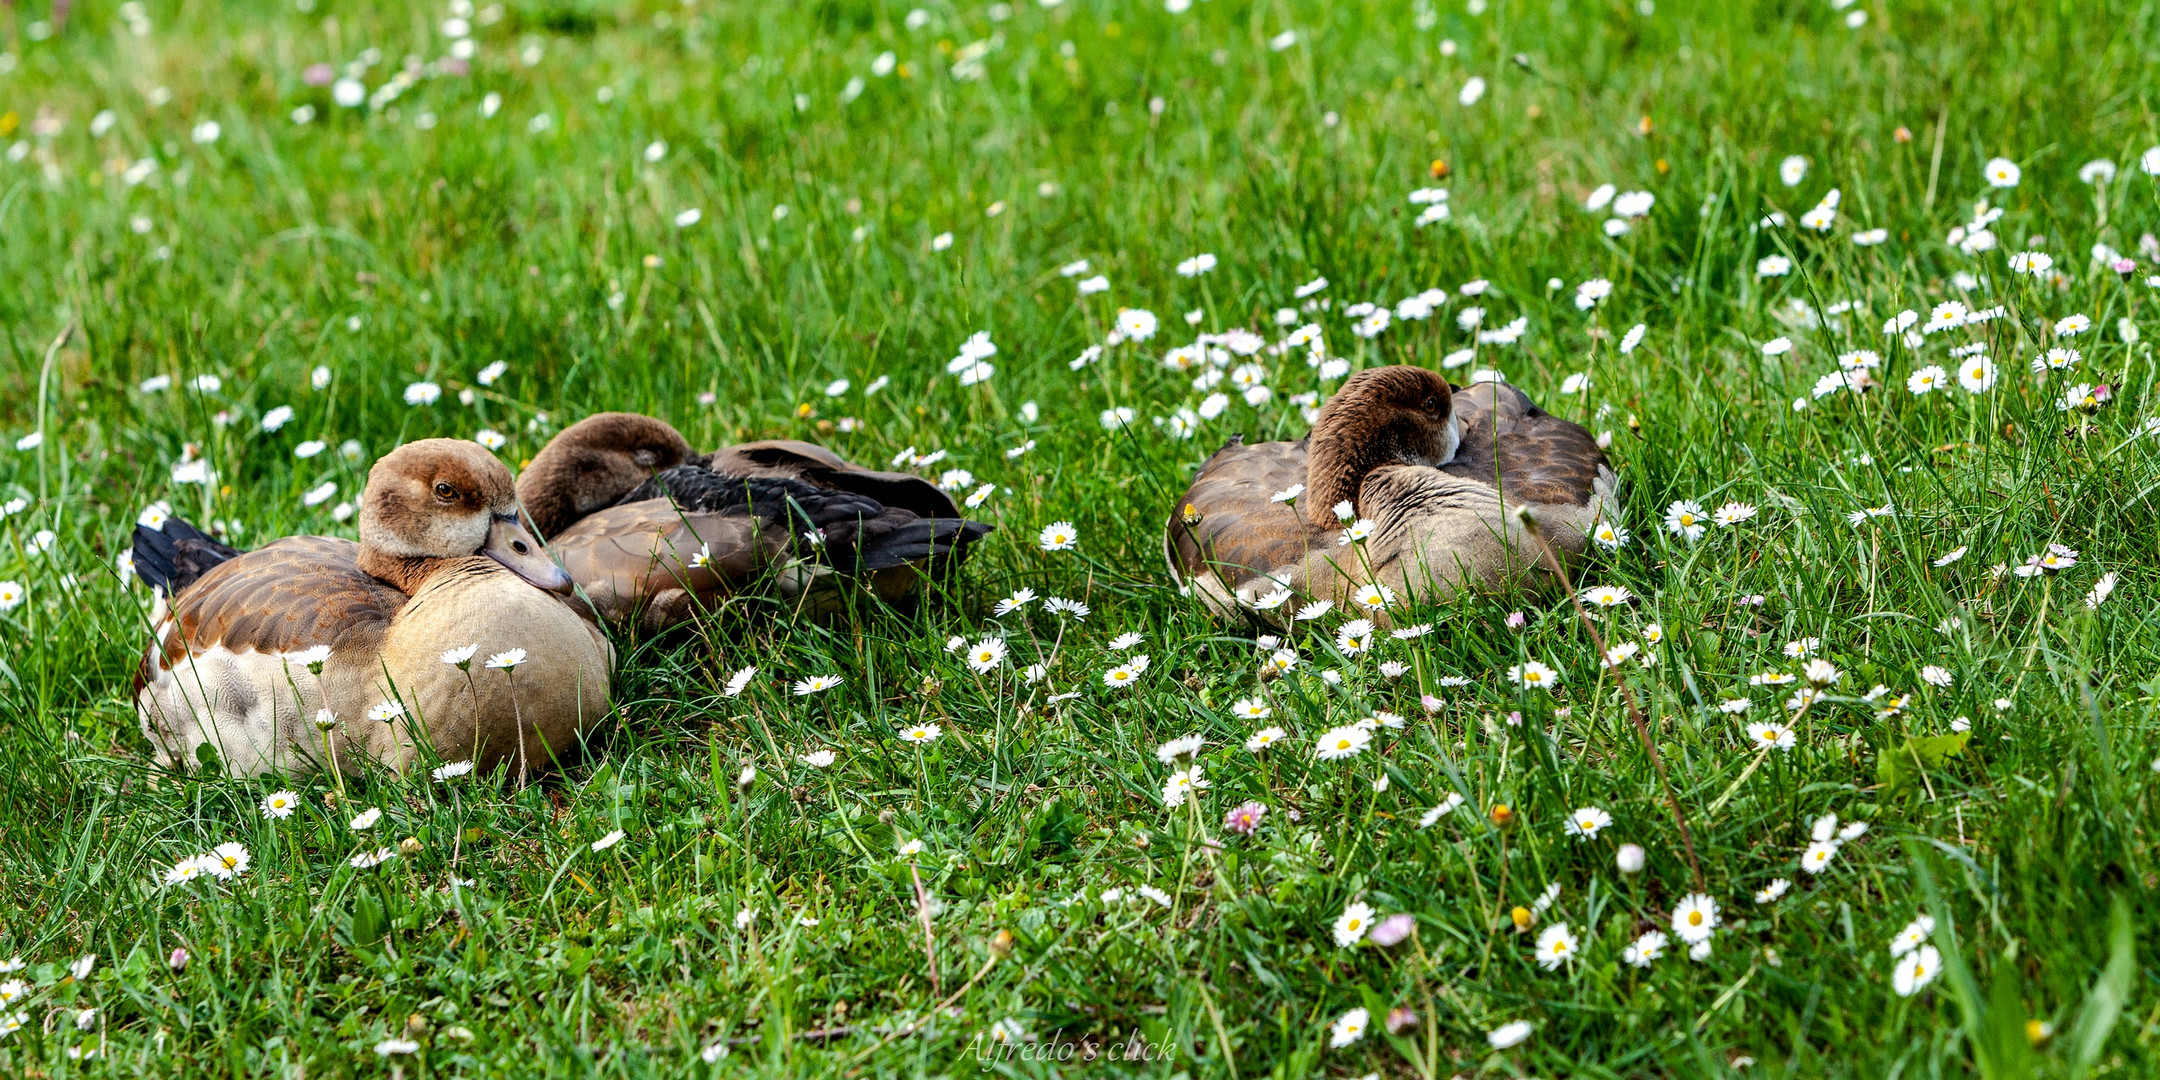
[178, 960]
[1393, 931]
[1630, 858]
[410, 845]
[1522, 918]
[1502, 816]
[1001, 944]
[1400, 1019]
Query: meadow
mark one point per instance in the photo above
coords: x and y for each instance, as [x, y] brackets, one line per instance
[1861, 296]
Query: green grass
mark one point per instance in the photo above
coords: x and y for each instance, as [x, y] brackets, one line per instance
[389, 253]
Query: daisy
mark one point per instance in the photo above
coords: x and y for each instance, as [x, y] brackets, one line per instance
[1769, 894]
[2036, 263]
[1773, 266]
[1917, 969]
[608, 841]
[1816, 858]
[1695, 918]
[1281, 660]
[1609, 536]
[1935, 675]
[1621, 653]
[1555, 946]
[1645, 950]
[921, 733]
[179, 873]
[1777, 346]
[2057, 359]
[1019, 599]
[1244, 818]
[1348, 1028]
[1373, 596]
[1913, 936]
[816, 684]
[279, 805]
[1122, 675]
[2072, 326]
[1771, 735]
[1125, 641]
[226, 861]
[506, 661]
[2001, 172]
[987, 655]
[451, 770]
[1952, 556]
[1533, 675]
[1733, 513]
[1927, 380]
[1073, 609]
[1354, 637]
[1352, 924]
[366, 819]
[385, 711]
[738, 681]
[1314, 610]
[1587, 822]
[1799, 648]
[1684, 519]
[1058, 536]
[1252, 709]
[1734, 706]
[1632, 338]
[1184, 746]
[1447, 806]
[1977, 375]
[1264, 738]
[1506, 1035]
[1342, 742]
[1182, 784]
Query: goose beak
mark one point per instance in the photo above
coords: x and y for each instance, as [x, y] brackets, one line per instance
[512, 545]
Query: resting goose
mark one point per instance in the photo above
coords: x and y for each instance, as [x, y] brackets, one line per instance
[654, 532]
[1434, 469]
[443, 563]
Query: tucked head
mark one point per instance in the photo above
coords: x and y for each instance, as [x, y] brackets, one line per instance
[446, 499]
[595, 462]
[1381, 416]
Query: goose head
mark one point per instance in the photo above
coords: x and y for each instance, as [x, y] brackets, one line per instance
[440, 499]
[1381, 416]
[593, 463]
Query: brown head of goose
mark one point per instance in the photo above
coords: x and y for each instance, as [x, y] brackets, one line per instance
[392, 636]
[654, 533]
[1403, 490]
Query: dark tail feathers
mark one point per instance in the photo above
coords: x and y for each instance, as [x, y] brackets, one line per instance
[171, 558]
[941, 544]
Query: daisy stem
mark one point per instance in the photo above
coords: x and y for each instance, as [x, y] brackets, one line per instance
[1737, 781]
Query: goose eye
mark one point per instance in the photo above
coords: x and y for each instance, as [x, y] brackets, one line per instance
[1432, 404]
[445, 491]
[519, 546]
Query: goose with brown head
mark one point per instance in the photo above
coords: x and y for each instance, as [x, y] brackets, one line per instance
[1435, 469]
[654, 533]
[250, 648]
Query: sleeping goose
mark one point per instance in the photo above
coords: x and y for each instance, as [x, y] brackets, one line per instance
[1432, 470]
[654, 532]
[443, 564]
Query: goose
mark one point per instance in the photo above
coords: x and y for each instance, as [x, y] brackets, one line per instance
[1432, 473]
[393, 636]
[654, 532]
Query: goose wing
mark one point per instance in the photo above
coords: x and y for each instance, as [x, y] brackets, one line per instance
[1229, 541]
[290, 595]
[1536, 459]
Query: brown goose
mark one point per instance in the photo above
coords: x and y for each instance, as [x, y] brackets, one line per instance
[654, 532]
[1432, 470]
[442, 564]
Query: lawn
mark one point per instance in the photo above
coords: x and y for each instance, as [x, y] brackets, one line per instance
[1878, 602]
